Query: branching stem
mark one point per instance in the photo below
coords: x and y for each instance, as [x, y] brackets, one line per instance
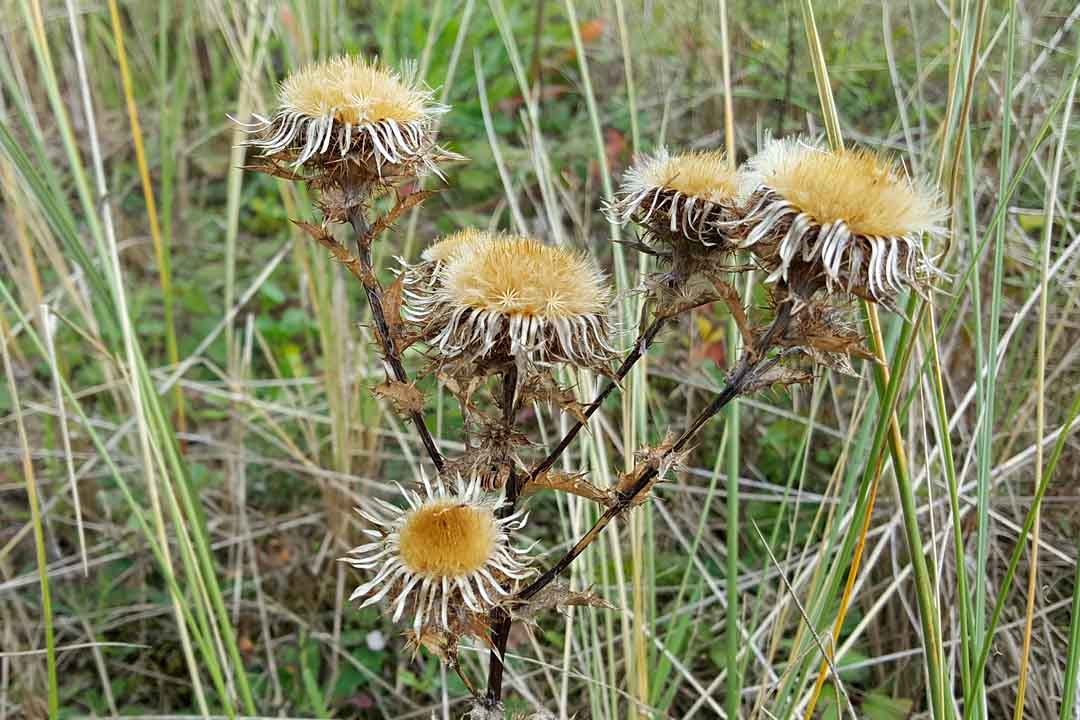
[645, 339]
[752, 365]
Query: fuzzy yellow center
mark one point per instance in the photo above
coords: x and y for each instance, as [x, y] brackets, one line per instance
[354, 91]
[860, 187]
[704, 175]
[451, 246]
[522, 276]
[447, 539]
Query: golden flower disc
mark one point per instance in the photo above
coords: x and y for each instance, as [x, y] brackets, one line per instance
[523, 276]
[354, 91]
[447, 539]
[863, 188]
[705, 175]
[460, 242]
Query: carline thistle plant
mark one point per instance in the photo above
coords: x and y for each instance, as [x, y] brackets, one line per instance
[504, 311]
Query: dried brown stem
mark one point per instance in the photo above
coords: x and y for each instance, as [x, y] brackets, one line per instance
[500, 618]
[753, 363]
[645, 339]
[360, 266]
[501, 621]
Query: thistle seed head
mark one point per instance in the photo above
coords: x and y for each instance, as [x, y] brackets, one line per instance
[351, 110]
[848, 220]
[514, 297]
[444, 553]
[692, 195]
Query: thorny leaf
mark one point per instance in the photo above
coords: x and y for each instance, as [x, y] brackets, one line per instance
[350, 262]
[391, 301]
[541, 387]
[556, 596]
[402, 204]
[661, 457]
[440, 643]
[573, 483]
[463, 393]
[317, 232]
[443, 642]
[272, 168]
[404, 397]
[778, 375]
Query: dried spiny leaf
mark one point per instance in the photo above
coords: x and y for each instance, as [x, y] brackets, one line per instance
[541, 387]
[317, 232]
[402, 204]
[391, 302]
[404, 397]
[272, 168]
[662, 458]
[462, 391]
[779, 375]
[442, 644]
[573, 483]
[351, 263]
[557, 596]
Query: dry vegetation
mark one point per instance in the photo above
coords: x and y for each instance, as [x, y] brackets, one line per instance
[186, 415]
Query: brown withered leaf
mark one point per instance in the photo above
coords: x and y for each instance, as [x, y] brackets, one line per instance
[573, 483]
[779, 375]
[463, 392]
[557, 596]
[317, 232]
[541, 387]
[661, 458]
[440, 643]
[402, 204]
[404, 397]
[349, 261]
[269, 167]
[391, 301]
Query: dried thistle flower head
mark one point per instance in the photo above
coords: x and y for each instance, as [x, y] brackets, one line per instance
[851, 217]
[515, 297]
[349, 108]
[692, 195]
[446, 552]
[434, 256]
